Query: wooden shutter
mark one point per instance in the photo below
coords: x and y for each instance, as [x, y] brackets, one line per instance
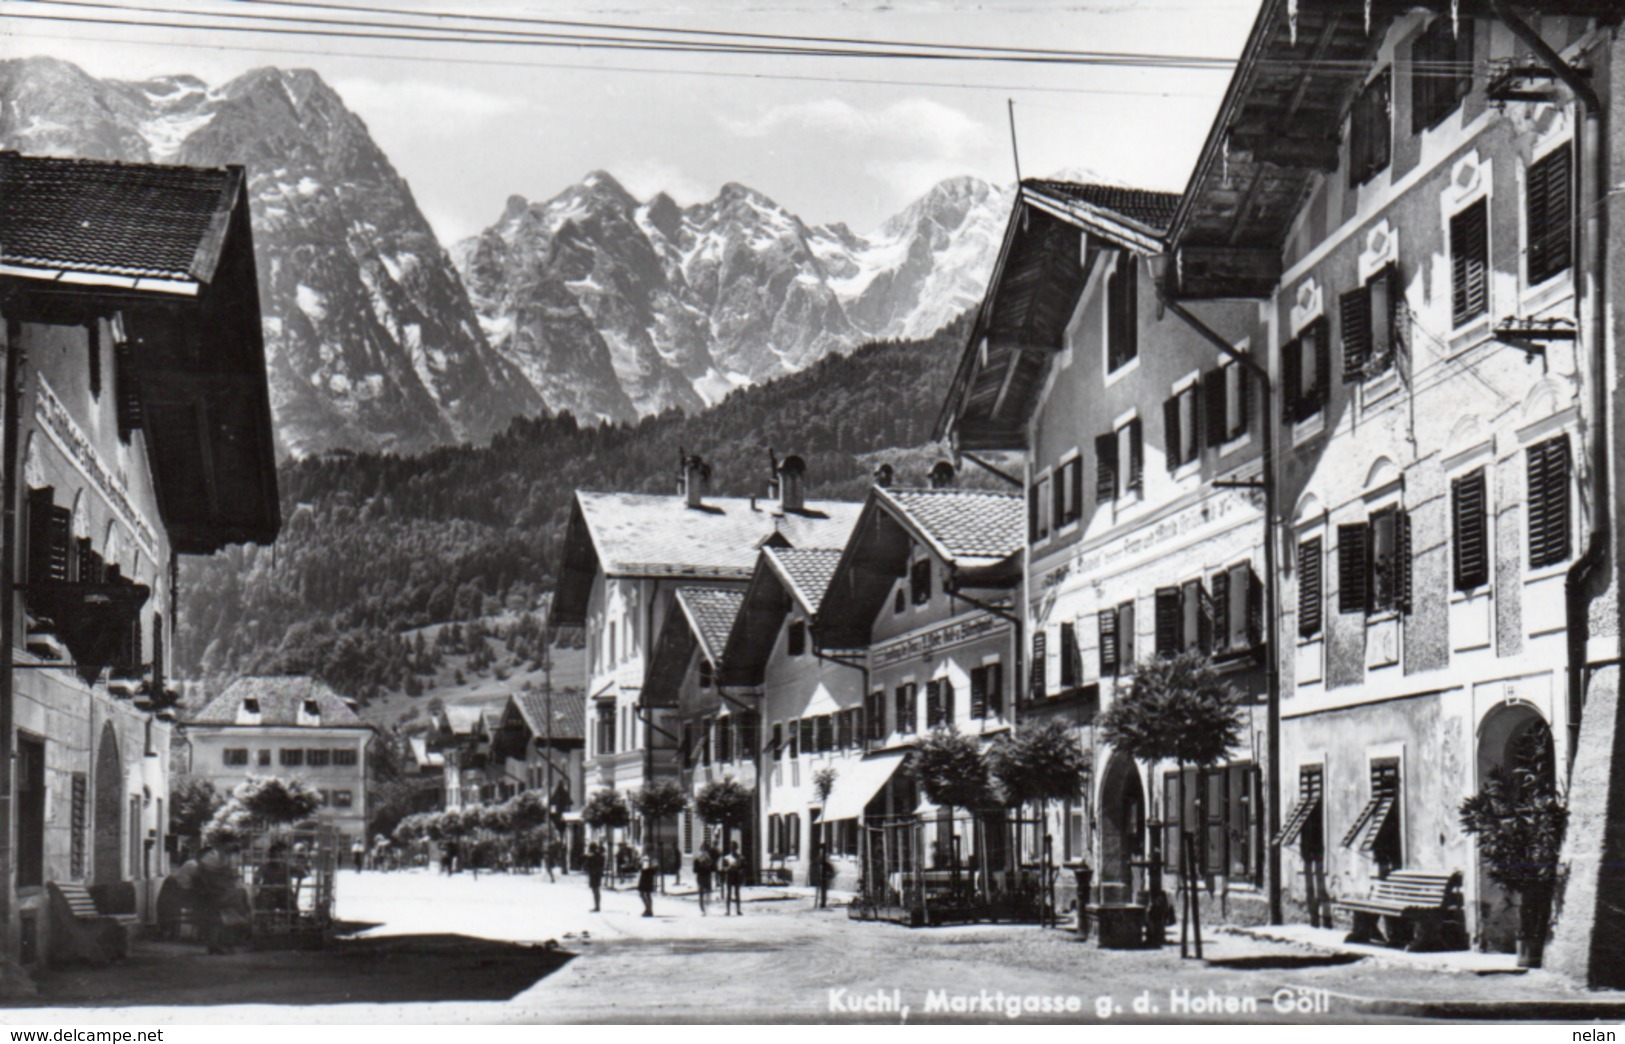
[1213, 390]
[1240, 590]
[1243, 419]
[1353, 568]
[1108, 643]
[1309, 587]
[1069, 655]
[1548, 501]
[1470, 531]
[1074, 488]
[1292, 381]
[1168, 621]
[1219, 584]
[995, 690]
[1204, 616]
[978, 692]
[945, 693]
[1469, 263]
[933, 704]
[1174, 449]
[50, 538]
[1403, 566]
[1106, 466]
[1136, 456]
[1355, 311]
[1320, 332]
[1549, 204]
[1257, 631]
[1125, 637]
[126, 390]
[1040, 650]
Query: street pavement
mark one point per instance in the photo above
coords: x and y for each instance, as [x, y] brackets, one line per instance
[784, 960]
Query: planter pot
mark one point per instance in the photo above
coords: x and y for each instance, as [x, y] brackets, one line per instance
[1534, 923]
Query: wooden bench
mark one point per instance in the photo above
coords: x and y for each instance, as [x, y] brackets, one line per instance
[81, 930]
[1421, 909]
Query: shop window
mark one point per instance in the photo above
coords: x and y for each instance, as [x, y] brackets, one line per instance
[1371, 318]
[1304, 361]
[1548, 499]
[1470, 263]
[1469, 524]
[1549, 210]
[1370, 129]
[1441, 71]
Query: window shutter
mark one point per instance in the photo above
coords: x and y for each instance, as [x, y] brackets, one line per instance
[1309, 587]
[1069, 654]
[978, 692]
[1032, 512]
[1125, 637]
[1108, 643]
[1469, 263]
[1292, 381]
[1353, 568]
[1394, 317]
[1356, 318]
[1317, 389]
[1220, 584]
[1136, 456]
[946, 690]
[1402, 568]
[1074, 488]
[1204, 616]
[995, 690]
[50, 538]
[933, 704]
[1548, 501]
[1257, 631]
[1170, 432]
[1168, 621]
[1040, 651]
[1470, 531]
[1214, 391]
[1549, 205]
[1106, 466]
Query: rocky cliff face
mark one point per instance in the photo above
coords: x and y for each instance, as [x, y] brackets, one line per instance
[371, 339]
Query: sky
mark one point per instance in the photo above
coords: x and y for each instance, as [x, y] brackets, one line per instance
[832, 139]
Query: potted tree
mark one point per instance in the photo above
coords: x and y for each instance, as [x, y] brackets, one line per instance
[1180, 709]
[655, 802]
[1519, 817]
[1038, 766]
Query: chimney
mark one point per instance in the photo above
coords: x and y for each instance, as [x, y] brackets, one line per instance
[942, 475]
[883, 475]
[792, 472]
[696, 477]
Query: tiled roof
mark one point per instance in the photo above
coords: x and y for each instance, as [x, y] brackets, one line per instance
[139, 220]
[464, 718]
[281, 701]
[711, 612]
[641, 534]
[569, 713]
[808, 571]
[967, 525]
[1154, 210]
[423, 756]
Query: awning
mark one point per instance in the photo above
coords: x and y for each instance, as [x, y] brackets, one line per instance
[857, 784]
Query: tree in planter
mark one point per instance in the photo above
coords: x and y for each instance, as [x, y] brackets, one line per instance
[1519, 817]
[727, 803]
[1179, 709]
[951, 772]
[606, 810]
[1037, 766]
[662, 799]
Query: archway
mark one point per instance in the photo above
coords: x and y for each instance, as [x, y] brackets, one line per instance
[1122, 834]
[107, 866]
[1509, 733]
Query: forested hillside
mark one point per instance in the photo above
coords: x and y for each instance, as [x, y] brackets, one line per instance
[374, 545]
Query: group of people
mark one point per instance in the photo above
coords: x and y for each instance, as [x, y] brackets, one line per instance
[709, 869]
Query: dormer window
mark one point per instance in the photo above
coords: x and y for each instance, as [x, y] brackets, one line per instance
[251, 705]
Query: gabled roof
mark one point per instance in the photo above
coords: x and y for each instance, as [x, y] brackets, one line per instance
[282, 701]
[423, 757]
[700, 619]
[710, 612]
[569, 714]
[784, 578]
[651, 535]
[139, 226]
[804, 571]
[978, 534]
[1056, 230]
[465, 719]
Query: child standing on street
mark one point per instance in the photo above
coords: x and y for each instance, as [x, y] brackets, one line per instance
[648, 874]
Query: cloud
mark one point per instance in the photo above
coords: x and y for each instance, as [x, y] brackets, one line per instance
[912, 123]
[644, 177]
[426, 104]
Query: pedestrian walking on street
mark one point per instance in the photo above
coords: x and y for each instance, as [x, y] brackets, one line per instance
[358, 854]
[594, 865]
[705, 864]
[733, 881]
[648, 874]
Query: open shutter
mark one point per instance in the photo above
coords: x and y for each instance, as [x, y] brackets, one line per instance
[1320, 386]
[1040, 653]
[1125, 636]
[50, 538]
[1206, 613]
[1168, 621]
[1291, 381]
[1172, 446]
[1136, 456]
[978, 692]
[995, 690]
[1470, 531]
[1395, 315]
[1240, 586]
[1356, 320]
[945, 693]
[1469, 263]
[1353, 568]
[1402, 567]
[1309, 587]
[1220, 584]
[1215, 394]
[1108, 643]
[1106, 466]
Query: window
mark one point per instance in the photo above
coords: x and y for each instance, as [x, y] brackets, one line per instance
[1549, 208]
[725, 739]
[1304, 361]
[1039, 683]
[907, 697]
[1228, 393]
[1376, 829]
[264, 758]
[825, 733]
[809, 736]
[1038, 509]
[795, 638]
[234, 757]
[1548, 501]
[987, 691]
[318, 758]
[1310, 588]
[93, 356]
[778, 741]
[345, 758]
[874, 711]
[1068, 493]
[126, 390]
[606, 728]
[30, 812]
[1238, 609]
[1305, 824]
[1117, 640]
[1169, 621]
[1182, 440]
[1122, 319]
[1441, 71]
[919, 581]
[1131, 449]
[843, 730]
[1184, 618]
[1371, 320]
[1370, 130]
[899, 600]
[292, 757]
[1470, 263]
[1218, 807]
[1469, 523]
[1374, 564]
[1071, 658]
[343, 798]
[939, 703]
[706, 674]
[1120, 462]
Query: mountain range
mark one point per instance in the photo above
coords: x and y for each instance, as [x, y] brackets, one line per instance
[593, 302]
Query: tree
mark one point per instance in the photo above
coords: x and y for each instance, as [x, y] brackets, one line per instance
[824, 784]
[193, 801]
[727, 803]
[606, 810]
[1039, 766]
[951, 771]
[661, 799]
[275, 801]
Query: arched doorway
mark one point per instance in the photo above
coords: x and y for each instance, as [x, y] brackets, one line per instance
[1122, 834]
[1510, 734]
[107, 866]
